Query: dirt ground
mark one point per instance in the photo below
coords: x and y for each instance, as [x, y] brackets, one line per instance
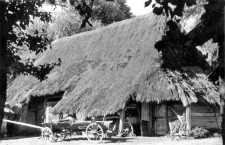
[112, 141]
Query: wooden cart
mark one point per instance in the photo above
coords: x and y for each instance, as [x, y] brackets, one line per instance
[94, 131]
[58, 131]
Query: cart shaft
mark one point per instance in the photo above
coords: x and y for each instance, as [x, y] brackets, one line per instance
[24, 124]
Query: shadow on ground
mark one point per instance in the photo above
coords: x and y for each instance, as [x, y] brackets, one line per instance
[105, 140]
[117, 140]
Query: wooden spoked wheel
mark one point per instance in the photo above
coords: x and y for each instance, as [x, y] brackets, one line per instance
[47, 134]
[128, 130]
[94, 132]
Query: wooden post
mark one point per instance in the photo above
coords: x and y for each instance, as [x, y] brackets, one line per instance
[222, 81]
[154, 118]
[188, 118]
[139, 116]
[3, 59]
[121, 122]
[145, 115]
[47, 113]
[167, 120]
[45, 108]
[223, 119]
[150, 119]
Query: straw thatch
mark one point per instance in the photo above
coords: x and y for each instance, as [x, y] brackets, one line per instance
[102, 69]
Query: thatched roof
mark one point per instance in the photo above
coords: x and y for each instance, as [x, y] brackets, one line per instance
[102, 69]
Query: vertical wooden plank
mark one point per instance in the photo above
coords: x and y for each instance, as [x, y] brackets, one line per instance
[4, 125]
[47, 120]
[161, 120]
[121, 122]
[188, 117]
[145, 111]
[45, 108]
[150, 119]
[145, 118]
[154, 118]
[167, 120]
[139, 116]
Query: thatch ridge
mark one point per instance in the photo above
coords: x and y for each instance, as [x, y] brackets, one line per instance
[102, 69]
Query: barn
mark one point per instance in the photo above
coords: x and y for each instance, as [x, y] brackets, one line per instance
[117, 69]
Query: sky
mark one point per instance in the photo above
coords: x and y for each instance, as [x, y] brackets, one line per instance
[137, 7]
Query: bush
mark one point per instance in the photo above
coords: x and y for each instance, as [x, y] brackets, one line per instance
[198, 132]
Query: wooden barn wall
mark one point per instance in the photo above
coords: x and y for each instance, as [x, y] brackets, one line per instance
[35, 113]
[21, 117]
[30, 119]
[30, 116]
[145, 119]
[162, 118]
[205, 117]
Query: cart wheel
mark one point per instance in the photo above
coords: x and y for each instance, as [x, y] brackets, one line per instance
[94, 132]
[128, 130]
[47, 134]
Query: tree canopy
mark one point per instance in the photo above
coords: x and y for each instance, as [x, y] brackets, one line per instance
[15, 17]
[67, 21]
[18, 15]
[179, 48]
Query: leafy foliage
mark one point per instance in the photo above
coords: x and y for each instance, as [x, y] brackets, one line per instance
[18, 14]
[109, 12]
[147, 3]
[211, 50]
[198, 132]
[64, 23]
[15, 17]
[178, 49]
[67, 21]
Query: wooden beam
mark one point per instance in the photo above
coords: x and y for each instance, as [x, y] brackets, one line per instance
[167, 120]
[121, 122]
[139, 116]
[47, 119]
[205, 114]
[150, 119]
[154, 118]
[188, 118]
[145, 115]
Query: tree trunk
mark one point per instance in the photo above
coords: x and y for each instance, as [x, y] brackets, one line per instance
[223, 123]
[222, 89]
[221, 41]
[3, 65]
